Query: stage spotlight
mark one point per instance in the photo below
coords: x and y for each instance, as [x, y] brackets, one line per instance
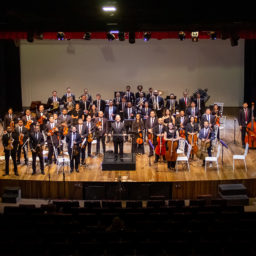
[87, 36]
[147, 36]
[234, 39]
[110, 36]
[121, 36]
[213, 35]
[131, 37]
[60, 36]
[109, 8]
[195, 36]
[30, 37]
[182, 35]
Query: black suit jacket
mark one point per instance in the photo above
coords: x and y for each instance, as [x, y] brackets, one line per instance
[241, 117]
[168, 104]
[84, 130]
[82, 105]
[130, 98]
[98, 131]
[50, 101]
[145, 113]
[106, 113]
[34, 141]
[6, 138]
[204, 118]
[102, 104]
[137, 95]
[65, 97]
[54, 136]
[24, 131]
[78, 140]
[160, 102]
[178, 121]
[189, 112]
[148, 124]
[7, 120]
[182, 105]
[202, 105]
[116, 131]
[133, 112]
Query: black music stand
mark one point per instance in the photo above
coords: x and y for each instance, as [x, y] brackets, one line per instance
[223, 144]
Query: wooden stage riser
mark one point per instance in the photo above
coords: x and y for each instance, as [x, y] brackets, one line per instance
[130, 190]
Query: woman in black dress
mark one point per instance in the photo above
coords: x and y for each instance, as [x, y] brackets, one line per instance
[137, 129]
[168, 118]
[76, 114]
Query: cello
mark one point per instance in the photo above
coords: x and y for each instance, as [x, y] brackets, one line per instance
[160, 147]
[250, 137]
[192, 140]
[171, 152]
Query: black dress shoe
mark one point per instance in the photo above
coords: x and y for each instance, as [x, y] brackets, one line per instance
[155, 161]
[6, 174]
[18, 162]
[16, 174]
[33, 173]
[42, 172]
[150, 155]
[77, 170]
[71, 170]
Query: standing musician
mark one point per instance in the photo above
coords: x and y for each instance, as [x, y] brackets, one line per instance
[36, 145]
[145, 112]
[140, 100]
[9, 119]
[206, 135]
[110, 113]
[138, 141]
[140, 88]
[93, 113]
[200, 104]
[150, 94]
[64, 117]
[69, 105]
[101, 129]
[129, 95]
[208, 117]
[54, 102]
[117, 130]
[171, 137]
[10, 142]
[216, 112]
[156, 102]
[129, 115]
[73, 140]
[23, 135]
[99, 103]
[168, 118]
[193, 111]
[172, 104]
[192, 130]
[52, 132]
[184, 102]
[28, 120]
[41, 117]
[243, 119]
[117, 101]
[122, 108]
[89, 124]
[83, 132]
[67, 95]
[85, 105]
[159, 143]
[151, 122]
[89, 97]
[76, 114]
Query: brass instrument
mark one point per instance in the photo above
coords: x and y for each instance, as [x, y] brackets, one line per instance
[55, 105]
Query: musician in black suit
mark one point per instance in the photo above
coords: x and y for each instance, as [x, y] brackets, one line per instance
[243, 119]
[117, 129]
[64, 117]
[117, 101]
[68, 94]
[8, 118]
[207, 116]
[52, 132]
[36, 144]
[145, 112]
[29, 121]
[83, 132]
[184, 101]
[139, 100]
[85, 105]
[193, 111]
[149, 94]
[99, 103]
[200, 104]
[156, 102]
[41, 117]
[181, 120]
[10, 136]
[122, 108]
[21, 131]
[172, 104]
[90, 126]
[101, 129]
[130, 97]
[74, 139]
[53, 102]
[140, 88]
[89, 97]
[158, 130]
[129, 115]
[110, 113]
[151, 122]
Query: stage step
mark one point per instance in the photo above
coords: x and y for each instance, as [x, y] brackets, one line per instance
[232, 189]
[11, 195]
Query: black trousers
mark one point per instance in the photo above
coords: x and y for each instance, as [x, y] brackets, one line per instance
[51, 153]
[24, 152]
[243, 133]
[119, 144]
[82, 153]
[34, 155]
[171, 164]
[89, 148]
[73, 159]
[13, 156]
[102, 140]
[157, 157]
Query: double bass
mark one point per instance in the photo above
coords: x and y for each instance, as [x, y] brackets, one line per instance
[250, 136]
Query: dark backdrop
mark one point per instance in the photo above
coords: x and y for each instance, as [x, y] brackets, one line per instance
[10, 84]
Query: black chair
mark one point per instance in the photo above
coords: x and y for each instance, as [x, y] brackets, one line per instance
[134, 204]
[155, 204]
[111, 204]
[176, 203]
[198, 202]
[92, 204]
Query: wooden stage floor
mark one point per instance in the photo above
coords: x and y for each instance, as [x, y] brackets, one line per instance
[154, 173]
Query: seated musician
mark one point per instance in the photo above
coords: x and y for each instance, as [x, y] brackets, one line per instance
[181, 122]
[52, 132]
[117, 131]
[93, 113]
[83, 132]
[9, 119]
[207, 116]
[137, 138]
[192, 130]
[64, 117]
[10, 142]
[171, 137]
[129, 115]
[151, 122]
[90, 127]
[23, 135]
[101, 129]
[158, 132]
[76, 114]
[28, 120]
[206, 135]
[41, 117]
[36, 145]
[68, 94]
[85, 105]
[193, 111]
[54, 102]
[70, 105]
[168, 118]
[172, 104]
[74, 140]
[140, 90]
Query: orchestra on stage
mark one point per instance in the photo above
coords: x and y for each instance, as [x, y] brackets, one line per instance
[72, 124]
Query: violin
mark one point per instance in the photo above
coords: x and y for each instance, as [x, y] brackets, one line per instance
[21, 139]
[250, 136]
[98, 124]
[41, 120]
[28, 125]
[65, 131]
[160, 147]
[90, 138]
[12, 125]
[139, 140]
[53, 130]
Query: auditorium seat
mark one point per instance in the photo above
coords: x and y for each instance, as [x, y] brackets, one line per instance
[176, 203]
[134, 204]
[155, 203]
[92, 204]
[111, 204]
